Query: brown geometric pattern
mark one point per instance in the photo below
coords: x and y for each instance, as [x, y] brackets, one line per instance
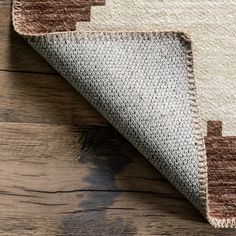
[46, 16]
[221, 155]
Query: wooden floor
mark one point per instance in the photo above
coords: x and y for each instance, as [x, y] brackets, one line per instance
[64, 170]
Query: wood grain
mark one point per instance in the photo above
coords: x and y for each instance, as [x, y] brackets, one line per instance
[43, 98]
[64, 171]
[110, 190]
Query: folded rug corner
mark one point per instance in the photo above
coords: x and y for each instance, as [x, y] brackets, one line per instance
[143, 83]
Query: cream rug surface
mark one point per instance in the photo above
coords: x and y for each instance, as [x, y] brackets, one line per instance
[163, 73]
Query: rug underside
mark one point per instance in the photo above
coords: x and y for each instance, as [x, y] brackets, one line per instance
[143, 84]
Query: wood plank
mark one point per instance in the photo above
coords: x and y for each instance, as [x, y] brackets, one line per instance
[110, 190]
[38, 98]
[16, 54]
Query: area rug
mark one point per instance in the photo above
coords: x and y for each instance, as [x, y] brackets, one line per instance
[163, 73]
